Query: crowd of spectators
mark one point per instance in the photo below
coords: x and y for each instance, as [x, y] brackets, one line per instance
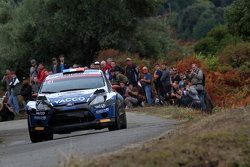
[138, 86]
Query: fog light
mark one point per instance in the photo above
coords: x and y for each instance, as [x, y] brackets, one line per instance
[105, 120]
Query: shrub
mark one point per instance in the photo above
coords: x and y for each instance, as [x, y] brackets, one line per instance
[215, 41]
[237, 56]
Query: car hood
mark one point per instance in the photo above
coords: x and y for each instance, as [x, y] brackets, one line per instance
[70, 98]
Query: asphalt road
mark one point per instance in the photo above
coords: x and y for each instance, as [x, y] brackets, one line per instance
[17, 150]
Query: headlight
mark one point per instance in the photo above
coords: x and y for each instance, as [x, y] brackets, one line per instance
[98, 100]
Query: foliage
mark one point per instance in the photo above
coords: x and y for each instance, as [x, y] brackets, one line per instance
[238, 18]
[228, 89]
[151, 39]
[211, 61]
[215, 41]
[196, 19]
[237, 56]
[79, 29]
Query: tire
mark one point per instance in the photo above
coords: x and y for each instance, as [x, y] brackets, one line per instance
[124, 121]
[117, 123]
[36, 137]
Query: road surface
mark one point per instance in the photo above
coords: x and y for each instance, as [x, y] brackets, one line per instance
[17, 150]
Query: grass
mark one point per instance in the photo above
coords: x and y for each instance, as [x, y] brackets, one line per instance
[221, 139]
[171, 112]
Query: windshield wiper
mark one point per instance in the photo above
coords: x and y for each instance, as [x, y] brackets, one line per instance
[73, 89]
[49, 92]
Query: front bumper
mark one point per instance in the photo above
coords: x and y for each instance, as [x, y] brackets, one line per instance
[66, 121]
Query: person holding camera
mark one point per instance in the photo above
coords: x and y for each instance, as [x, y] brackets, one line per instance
[15, 88]
[196, 77]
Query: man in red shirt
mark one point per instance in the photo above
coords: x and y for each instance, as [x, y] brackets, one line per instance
[42, 74]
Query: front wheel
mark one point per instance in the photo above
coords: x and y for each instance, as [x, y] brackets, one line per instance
[40, 136]
[123, 121]
[117, 123]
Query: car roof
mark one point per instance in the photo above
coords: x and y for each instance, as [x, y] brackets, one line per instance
[74, 73]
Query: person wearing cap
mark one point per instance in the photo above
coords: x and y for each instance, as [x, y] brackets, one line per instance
[132, 72]
[97, 65]
[55, 66]
[146, 82]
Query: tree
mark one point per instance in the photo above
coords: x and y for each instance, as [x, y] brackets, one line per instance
[43, 29]
[238, 18]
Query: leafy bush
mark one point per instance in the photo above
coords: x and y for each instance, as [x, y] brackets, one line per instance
[227, 89]
[215, 41]
[237, 18]
[196, 20]
[237, 56]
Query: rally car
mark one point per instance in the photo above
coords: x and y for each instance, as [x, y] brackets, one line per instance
[75, 99]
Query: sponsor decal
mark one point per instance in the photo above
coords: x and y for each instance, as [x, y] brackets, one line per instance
[40, 113]
[100, 106]
[68, 100]
[102, 111]
[42, 118]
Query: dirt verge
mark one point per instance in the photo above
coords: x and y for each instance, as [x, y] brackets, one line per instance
[221, 139]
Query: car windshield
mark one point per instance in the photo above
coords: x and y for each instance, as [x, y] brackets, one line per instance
[70, 84]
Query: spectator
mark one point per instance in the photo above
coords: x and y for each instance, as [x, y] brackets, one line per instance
[165, 80]
[132, 97]
[33, 75]
[196, 77]
[42, 74]
[92, 66]
[193, 94]
[183, 78]
[55, 66]
[75, 66]
[105, 69]
[109, 60]
[122, 89]
[132, 72]
[176, 94]
[97, 65]
[157, 80]
[26, 92]
[6, 112]
[117, 68]
[6, 80]
[117, 78]
[14, 92]
[63, 65]
[146, 82]
[175, 75]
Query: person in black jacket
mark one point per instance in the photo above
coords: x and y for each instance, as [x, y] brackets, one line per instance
[55, 68]
[165, 80]
[132, 72]
[26, 92]
[63, 65]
